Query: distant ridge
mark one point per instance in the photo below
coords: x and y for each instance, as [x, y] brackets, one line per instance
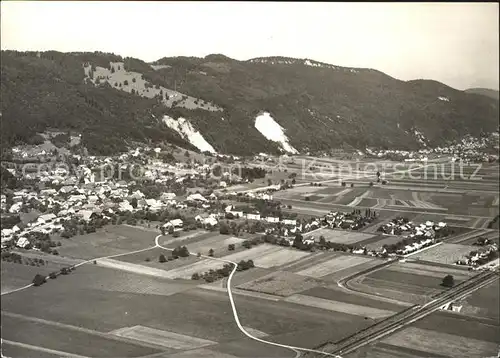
[485, 92]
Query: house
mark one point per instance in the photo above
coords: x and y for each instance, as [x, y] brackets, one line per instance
[47, 218]
[196, 197]
[175, 223]
[167, 196]
[48, 192]
[253, 216]
[22, 242]
[272, 219]
[292, 222]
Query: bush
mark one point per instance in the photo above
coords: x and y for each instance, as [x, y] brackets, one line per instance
[38, 280]
[147, 259]
[230, 247]
[343, 183]
[162, 258]
[211, 252]
[195, 276]
[53, 275]
[448, 281]
[352, 185]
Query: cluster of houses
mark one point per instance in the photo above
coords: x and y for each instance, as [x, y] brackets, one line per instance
[480, 257]
[469, 149]
[351, 221]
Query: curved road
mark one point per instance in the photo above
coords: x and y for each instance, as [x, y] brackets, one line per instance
[297, 350]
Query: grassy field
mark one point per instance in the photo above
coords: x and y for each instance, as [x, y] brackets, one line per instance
[336, 294]
[280, 283]
[422, 283]
[382, 240]
[18, 275]
[421, 268]
[485, 302]
[445, 253]
[442, 343]
[192, 312]
[461, 325]
[111, 240]
[52, 336]
[333, 265]
[341, 236]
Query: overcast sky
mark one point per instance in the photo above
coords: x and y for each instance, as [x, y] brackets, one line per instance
[454, 43]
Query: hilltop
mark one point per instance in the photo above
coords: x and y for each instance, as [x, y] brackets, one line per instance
[272, 104]
[485, 92]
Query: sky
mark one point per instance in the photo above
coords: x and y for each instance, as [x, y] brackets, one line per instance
[454, 43]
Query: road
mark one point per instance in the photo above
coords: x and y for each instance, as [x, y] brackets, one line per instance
[408, 316]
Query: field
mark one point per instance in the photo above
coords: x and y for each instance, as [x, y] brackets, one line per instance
[341, 236]
[111, 240]
[281, 283]
[439, 343]
[338, 306]
[16, 275]
[103, 300]
[333, 265]
[444, 253]
[485, 302]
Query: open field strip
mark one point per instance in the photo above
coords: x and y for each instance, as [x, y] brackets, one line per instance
[69, 338]
[339, 306]
[278, 258]
[243, 292]
[333, 265]
[162, 338]
[496, 201]
[445, 253]
[427, 270]
[167, 240]
[442, 343]
[198, 353]
[40, 351]
[135, 268]
[217, 243]
[298, 263]
[340, 236]
[280, 283]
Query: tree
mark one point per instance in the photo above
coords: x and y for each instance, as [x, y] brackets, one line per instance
[162, 258]
[343, 183]
[352, 185]
[195, 276]
[322, 240]
[293, 181]
[38, 280]
[371, 183]
[448, 281]
[224, 229]
[53, 275]
[186, 154]
[133, 80]
[230, 247]
[246, 244]
[125, 83]
[211, 252]
[297, 242]
[269, 182]
[134, 203]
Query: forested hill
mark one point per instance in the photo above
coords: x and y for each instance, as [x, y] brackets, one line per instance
[115, 101]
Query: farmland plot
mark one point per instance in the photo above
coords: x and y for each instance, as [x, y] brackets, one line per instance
[341, 236]
[442, 343]
[445, 253]
[429, 270]
[338, 306]
[336, 264]
[279, 258]
[16, 275]
[162, 338]
[218, 243]
[280, 283]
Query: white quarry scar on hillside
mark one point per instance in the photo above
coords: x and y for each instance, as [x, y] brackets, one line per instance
[186, 131]
[266, 125]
